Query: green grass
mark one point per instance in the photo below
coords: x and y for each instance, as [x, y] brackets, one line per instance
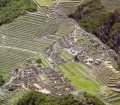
[111, 5]
[17, 95]
[65, 55]
[83, 66]
[117, 103]
[44, 62]
[46, 3]
[64, 0]
[42, 76]
[4, 75]
[12, 59]
[78, 80]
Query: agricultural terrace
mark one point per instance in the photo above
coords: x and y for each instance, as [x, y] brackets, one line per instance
[26, 37]
[41, 61]
[11, 59]
[77, 74]
[40, 36]
[48, 3]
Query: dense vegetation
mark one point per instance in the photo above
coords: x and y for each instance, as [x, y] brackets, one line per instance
[1, 80]
[92, 100]
[11, 9]
[94, 18]
[90, 15]
[35, 98]
[3, 3]
[114, 31]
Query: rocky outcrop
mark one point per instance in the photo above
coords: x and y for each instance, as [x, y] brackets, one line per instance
[79, 13]
[93, 17]
[105, 34]
[85, 8]
[116, 39]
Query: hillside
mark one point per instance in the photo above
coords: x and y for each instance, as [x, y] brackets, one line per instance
[111, 5]
[94, 18]
[45, 51]
[11, 9]
[51, 100]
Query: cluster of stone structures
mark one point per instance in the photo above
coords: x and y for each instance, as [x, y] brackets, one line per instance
[44, 80]
[89, 51]
[55, 49]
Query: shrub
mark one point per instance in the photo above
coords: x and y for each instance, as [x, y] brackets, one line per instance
[11, 9]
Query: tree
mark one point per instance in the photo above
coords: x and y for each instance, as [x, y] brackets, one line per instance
[11, 9]
[39, 61]
[35, 98]
[2, 81]
[3, 3]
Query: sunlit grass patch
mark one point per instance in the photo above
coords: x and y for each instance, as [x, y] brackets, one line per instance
[46, 3]
[77, 80]
[43, 60]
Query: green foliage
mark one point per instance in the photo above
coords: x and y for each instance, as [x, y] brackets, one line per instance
[90, 15]
[92, 21]
[35, 98]
[115, 29]
[94, 16]
[94, 100]
[39, 61]
[1, 80]
[3, 3]
[11, 9]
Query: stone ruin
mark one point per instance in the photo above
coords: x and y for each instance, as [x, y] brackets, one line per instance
[29, 78]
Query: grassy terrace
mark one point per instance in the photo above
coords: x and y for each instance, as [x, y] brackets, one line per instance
[11, 59]
[117, 103]
[65, 28]
[48, 3]
[24, 36]
[75, 72]
[43, 60]
[65, 55]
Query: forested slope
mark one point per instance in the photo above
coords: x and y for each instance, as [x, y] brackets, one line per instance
[11, 9]
[35, 98]
[94, 18]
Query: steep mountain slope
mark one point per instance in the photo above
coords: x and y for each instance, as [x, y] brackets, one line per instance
[94, 18]
[11, 9]
[70, 58]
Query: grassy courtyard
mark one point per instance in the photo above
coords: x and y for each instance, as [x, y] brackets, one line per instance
[46, 3]
[74, 72]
